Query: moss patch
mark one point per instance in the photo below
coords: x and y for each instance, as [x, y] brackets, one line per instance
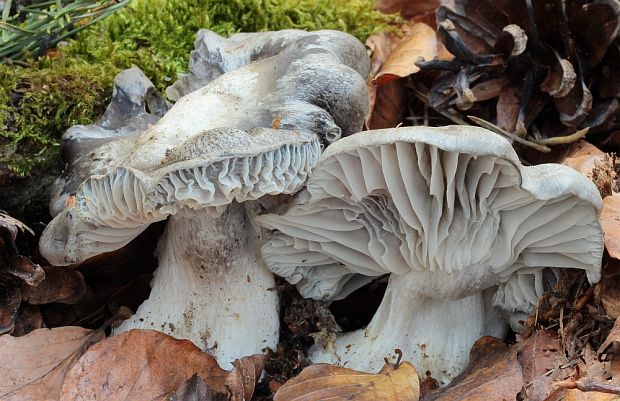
[38, 104]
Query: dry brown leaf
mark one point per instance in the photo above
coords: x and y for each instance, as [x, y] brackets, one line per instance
[33, 367]
[195, 389]
[610, 221]
[144, 365]
[578, 395]
[540, 357]
[381, 46]
[322, 382]
[388, 103]
[609, 289]
[494, 373]
[582, 155]
[243, 378]
[612, 342]
[407, 8]
[420, 43]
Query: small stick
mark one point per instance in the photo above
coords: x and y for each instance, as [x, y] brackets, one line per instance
[498, 130]
[586, 385]
[583, 301]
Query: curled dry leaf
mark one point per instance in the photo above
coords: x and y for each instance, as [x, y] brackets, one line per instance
[323, 381]
[611, 344]
[243, 378]
[147, 365]
[33, 367]
[420, 43]
[388, 105]
[494, 373]
[610, 221]
[388, 102]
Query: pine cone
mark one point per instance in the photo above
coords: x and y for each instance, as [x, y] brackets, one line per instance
[550, 66]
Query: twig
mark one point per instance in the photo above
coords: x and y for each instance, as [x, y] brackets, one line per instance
[583, 301]
[562, 326]
[561, 140]
[586, 385]
[498, 130]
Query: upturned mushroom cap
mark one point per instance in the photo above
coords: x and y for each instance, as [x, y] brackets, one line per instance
[209, 170]
[446, 200]
[312, 82]
[93, 149]
[297, 87]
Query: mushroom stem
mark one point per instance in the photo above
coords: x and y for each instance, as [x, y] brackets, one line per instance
[211, 286]
[434, 334]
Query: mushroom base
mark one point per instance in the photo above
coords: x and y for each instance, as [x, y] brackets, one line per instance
[435, 335]
[211, 287]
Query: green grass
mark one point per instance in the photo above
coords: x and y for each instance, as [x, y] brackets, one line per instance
[38, 103]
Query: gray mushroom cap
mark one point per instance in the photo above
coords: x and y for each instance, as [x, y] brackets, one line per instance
[90, 149]
[431, 199]
[215, 55]
[210, 169]
[311, 82]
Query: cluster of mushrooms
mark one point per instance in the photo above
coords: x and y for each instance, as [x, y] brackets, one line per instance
[470, 238]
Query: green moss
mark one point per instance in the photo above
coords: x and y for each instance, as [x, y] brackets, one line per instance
[38, 104]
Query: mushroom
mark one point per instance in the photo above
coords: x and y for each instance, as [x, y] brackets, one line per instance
[135, 106]
[215, 55]
[450, 214]
[254, 131]
[211, 285]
